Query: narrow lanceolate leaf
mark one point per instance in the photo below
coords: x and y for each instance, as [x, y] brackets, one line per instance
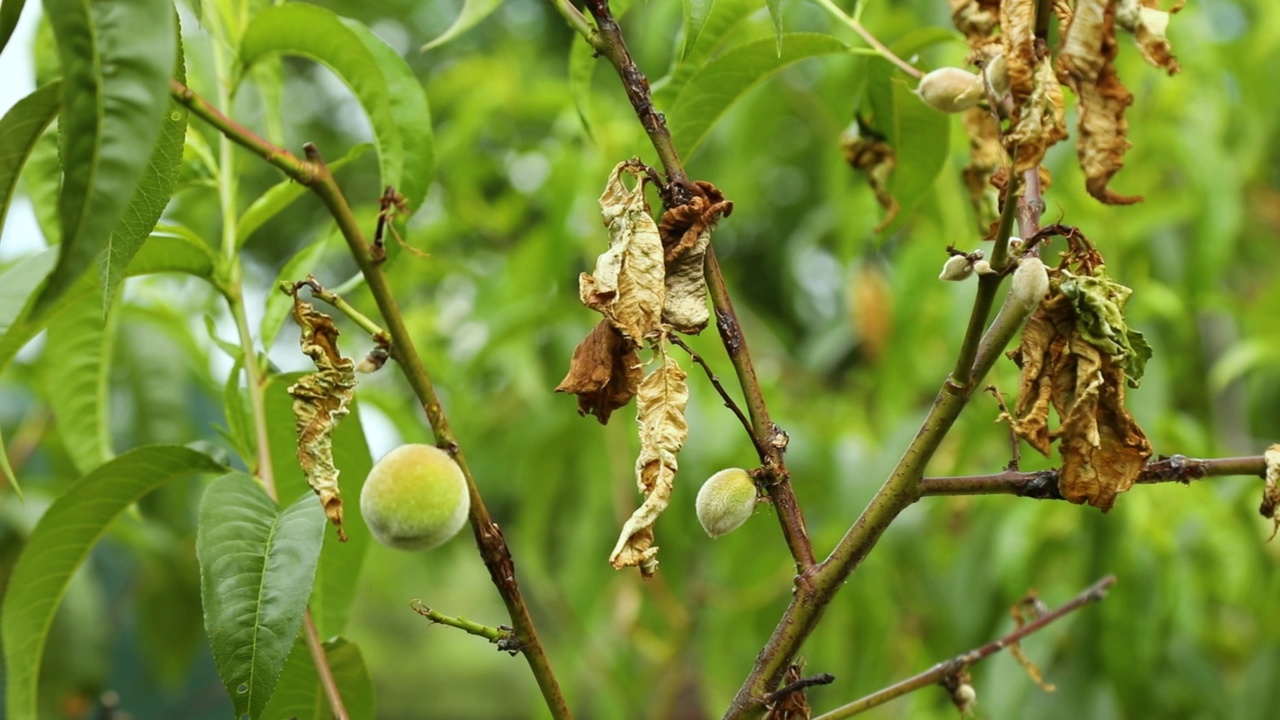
[76, 366]
[627, 286]
[775, 14]
[718, 84]
[380, 79]
[10, 11]
[300, 695]
[340, 562]
[116, 62]
[473, 11]
[60, 543]
[272, 202]
[696, 13]
[257, 565]
[660, 405]
[319, 404]
[20, 128]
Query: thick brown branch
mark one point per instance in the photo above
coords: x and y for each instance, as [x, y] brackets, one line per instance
[948, 668]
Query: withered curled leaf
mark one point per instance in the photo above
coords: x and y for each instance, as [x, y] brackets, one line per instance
[986, 155]
[686, 231]
[628, 285]
[1102, 447]
[1027, 610]
[604, 373]
[319, 403]
[1270, 507]
[1099, 305]
[1085, 64]
[867, 151]
[660, 404]
[1149, 23]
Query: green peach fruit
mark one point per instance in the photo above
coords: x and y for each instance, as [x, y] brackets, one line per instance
[415, 498]
[725, 501]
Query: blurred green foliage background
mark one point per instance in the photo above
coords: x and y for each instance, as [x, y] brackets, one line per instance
[851, 333]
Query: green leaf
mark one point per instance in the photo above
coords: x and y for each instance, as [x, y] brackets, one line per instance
[775, 14]
[257, 564]
[238, 424]
[273, 201]
[60, 543]
[150, 197]
[41, 180]
[162, 254]
[696, 13]
[473, 11]
[6, 469]
[10, 11]
[20, 128]
[300, 695]
[918, 134]
[714, 87]
[279, 305]
[582, 68]
[380, 79]
[722, 17]
[76, 367]
[117, 59]
[340, 563]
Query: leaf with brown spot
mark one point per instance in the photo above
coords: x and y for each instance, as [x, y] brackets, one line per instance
[628, 285]
[604, 373]
[319, 403]
[1149, 23]
[1085, 65]
[660, 404]
[686, 232]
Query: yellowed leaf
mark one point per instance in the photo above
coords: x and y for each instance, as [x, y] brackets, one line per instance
[628, 285]
[686, 232]
[1149, 23]
[319, 403]
[660, 404]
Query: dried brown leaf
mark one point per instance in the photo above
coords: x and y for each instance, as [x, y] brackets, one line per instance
[986, 156]
[1148, 23]
[686, 232]
[604, 372]
[1085, 64]
[868, 152]
[660, 404]
[1270, 507]
[1039, 110]
[628, 285]
[975, 18]
[1028, 606]
[319, 403]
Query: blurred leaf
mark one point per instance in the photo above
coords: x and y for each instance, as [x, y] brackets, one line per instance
[719, 83]
[775, 15]
[300, 695]
[41, 180]
[384, 84]
[18, 283]
[338, 574]
[270, 203]
[582, 67]
[20, 128]
[722, 16]
[150, 197]
[696, 13]
[239, 433]
[473, 11]
[278, 305]
[60, 543]
[10, 11]
[6, 469]
[117, 59]
[918, 134]
[76, 365]
[257, 565]
[173, 248]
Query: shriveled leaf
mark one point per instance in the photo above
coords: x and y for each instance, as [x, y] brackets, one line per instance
[1039, 110]
[1099, 306]
[473, 11]
[627, 286]
[686, 232]
[1270, 507]
[1086, 66]
[604, 373]
[21, 127]
[1027, 610]
[1149, 23]
[660, 404]
[116, 60]
[257, 566]
[60, 543]
[319, 404]
[278, 304]
[867, 151]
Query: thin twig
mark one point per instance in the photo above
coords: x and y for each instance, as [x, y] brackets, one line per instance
[314, 174]
[319, 292]
[1043, 485]
[985, 297]
[321, 660]
[502, 636]
[947, 668]
[797, 686]
[715, 382]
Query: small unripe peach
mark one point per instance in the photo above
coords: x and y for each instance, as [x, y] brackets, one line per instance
[415, 498]
[725, 501]
[951, 89]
